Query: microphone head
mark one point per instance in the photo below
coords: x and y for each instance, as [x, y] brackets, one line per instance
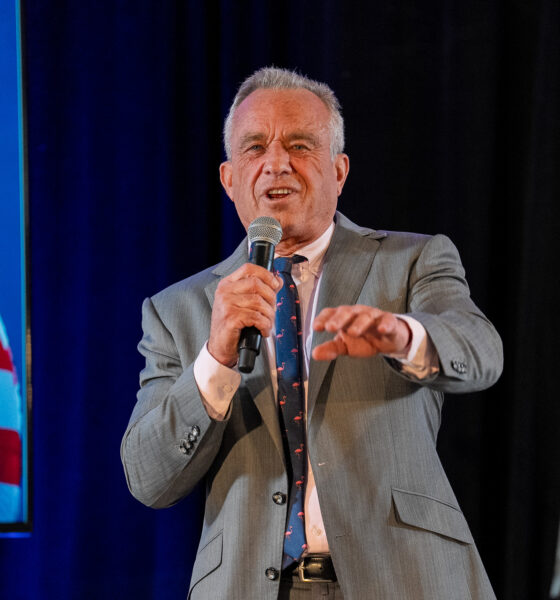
[265, 229]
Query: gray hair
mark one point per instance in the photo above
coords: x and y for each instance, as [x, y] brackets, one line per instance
[283, 79]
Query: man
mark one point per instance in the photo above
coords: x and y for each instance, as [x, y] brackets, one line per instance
[387, 325]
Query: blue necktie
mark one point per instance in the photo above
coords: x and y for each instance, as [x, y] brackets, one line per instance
[291, 409]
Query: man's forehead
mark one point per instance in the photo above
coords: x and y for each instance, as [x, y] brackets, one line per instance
[271, 102]
[297, 110]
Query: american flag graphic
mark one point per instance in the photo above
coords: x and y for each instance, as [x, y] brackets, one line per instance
[10, 435]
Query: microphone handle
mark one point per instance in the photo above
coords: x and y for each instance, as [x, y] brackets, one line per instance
[249, 347]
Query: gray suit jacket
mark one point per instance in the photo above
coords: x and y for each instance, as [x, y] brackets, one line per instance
[394, 527]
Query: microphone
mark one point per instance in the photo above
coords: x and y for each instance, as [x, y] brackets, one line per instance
[264, 234]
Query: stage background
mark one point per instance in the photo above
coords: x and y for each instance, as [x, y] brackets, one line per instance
[452, 112]
[13, 289]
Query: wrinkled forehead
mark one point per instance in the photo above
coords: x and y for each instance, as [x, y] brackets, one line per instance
[284, 112]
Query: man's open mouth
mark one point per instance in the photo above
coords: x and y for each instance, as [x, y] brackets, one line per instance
[277, 193]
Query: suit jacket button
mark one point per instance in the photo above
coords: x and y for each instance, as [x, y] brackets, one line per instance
[272, 573]
[459, 366]
[186, 446]
[195, 430]
[279, 498]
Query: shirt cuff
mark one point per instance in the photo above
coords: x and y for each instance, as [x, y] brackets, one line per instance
[216, 383]
[421, 360]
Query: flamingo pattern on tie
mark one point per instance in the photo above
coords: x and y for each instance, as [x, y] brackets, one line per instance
[291, 404]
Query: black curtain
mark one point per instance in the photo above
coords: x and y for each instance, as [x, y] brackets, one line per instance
[452, 111]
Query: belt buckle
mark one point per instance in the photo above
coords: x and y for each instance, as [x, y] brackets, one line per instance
[303, 578]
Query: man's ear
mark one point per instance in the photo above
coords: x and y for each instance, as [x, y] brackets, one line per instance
[226, 177]
[342, 166]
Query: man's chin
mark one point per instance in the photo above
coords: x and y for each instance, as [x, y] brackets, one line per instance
[285, 204]
[281, 211]
[296, 234]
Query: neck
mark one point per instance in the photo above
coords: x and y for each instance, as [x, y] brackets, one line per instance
[290, 246]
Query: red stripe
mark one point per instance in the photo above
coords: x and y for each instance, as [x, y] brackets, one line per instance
[10, 456]
[6, 363]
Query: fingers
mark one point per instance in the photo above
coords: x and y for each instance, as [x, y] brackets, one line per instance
[360, 331]
[248, 293]
[250, 271]
[380, 322]
[330, 350]
[246, 298]
[354, 320]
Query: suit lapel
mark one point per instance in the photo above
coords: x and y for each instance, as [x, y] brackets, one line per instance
[347, 264]
[258, 382]
[227, 267]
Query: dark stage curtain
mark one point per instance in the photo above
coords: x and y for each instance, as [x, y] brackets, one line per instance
[452, 112]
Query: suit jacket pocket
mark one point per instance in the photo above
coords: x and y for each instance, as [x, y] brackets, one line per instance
[431, 514]
[208, 559]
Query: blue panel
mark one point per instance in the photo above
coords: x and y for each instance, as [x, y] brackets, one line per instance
[12, 224]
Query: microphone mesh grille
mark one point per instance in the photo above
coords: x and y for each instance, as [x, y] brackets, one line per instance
[265, 229]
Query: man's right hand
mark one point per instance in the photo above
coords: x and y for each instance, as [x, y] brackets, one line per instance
[245, 298]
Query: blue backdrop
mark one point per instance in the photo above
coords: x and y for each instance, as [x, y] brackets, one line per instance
[452, 114]
[11, 228]
[13, 297]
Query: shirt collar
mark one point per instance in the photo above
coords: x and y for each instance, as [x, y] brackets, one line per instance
[315, 251]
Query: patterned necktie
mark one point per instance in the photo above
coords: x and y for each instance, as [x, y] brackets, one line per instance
[289, 359]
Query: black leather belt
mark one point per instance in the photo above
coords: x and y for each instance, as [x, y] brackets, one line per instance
[313, 568]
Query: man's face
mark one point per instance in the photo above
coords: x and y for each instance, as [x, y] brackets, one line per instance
[281, 164]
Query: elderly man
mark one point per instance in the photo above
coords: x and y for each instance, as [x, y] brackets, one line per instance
[326, 483]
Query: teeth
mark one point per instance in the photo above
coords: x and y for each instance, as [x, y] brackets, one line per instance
[280, 191]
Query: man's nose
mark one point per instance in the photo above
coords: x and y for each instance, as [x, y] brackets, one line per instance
[277, 159]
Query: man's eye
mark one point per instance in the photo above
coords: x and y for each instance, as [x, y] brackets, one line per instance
[299, 147]
[255, 148]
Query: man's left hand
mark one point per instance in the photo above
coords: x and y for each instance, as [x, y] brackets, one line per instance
[361, 331]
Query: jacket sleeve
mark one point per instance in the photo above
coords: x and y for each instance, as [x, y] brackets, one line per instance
[170, 442]
[468, 346]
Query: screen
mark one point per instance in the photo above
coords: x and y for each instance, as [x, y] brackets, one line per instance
[15, 382]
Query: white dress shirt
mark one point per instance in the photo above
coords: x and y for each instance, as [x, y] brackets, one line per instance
[218, 383]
